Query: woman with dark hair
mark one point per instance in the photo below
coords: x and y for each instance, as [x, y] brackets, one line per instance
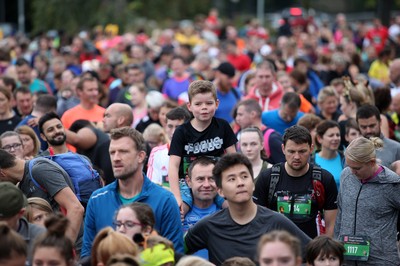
[134, 218]
[53, 247]
[328, 155]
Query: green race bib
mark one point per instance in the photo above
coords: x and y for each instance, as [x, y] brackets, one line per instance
[301, 205]
[357, 247]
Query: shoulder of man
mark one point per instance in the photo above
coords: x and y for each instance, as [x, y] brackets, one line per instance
[105, 192]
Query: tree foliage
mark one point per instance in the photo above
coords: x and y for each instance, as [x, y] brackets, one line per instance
[74, 15]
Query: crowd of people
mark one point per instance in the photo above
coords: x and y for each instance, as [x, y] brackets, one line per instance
[236, 145]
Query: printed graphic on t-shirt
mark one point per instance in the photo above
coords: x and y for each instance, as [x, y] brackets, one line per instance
[204, 146]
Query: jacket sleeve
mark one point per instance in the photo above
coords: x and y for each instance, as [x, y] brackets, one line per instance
[336, 230]
[89, 230]
[172, 227]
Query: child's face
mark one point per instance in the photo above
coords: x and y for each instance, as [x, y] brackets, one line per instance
[330, 260]
[353, 134]
[203, 106]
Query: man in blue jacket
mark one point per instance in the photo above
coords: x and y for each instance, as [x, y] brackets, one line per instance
[128, 153]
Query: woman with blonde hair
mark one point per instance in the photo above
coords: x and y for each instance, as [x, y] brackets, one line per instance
[193, 261]
[328, 102]
[29, 140]
[277, 247]
[109, 242]
[368, 204]
[38, 210]
[350, 100]
[155, 135]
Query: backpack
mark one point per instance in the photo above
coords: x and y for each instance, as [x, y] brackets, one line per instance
[318, 187]
[84, 178]
[318, 190]
[267, 134]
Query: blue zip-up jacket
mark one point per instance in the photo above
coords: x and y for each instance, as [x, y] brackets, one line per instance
[105, 202]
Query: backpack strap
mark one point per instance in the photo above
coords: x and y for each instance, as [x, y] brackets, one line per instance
[30, 166]
[318, 187]
[267, 134]
[236, 94]
[275, 175]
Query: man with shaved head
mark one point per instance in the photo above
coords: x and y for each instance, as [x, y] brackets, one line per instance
[117, 115]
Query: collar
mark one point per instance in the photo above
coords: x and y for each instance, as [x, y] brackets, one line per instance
[377, 172]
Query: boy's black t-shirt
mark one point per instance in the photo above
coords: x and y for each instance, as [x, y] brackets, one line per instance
[189, 144]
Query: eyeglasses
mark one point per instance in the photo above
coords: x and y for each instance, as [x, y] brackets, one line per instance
[127, 224]
[15, 146]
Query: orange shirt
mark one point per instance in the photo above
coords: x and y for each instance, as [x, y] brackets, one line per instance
[305, 106]
[78, 112]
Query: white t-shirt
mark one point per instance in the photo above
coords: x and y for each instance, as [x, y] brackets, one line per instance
[157, 166]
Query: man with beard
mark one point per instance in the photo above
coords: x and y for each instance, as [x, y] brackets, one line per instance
[226, 94]
[369, 120]
[128, 153]
[52, 131]
[290, 187]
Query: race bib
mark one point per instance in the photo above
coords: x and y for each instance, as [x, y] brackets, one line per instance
[294, 205]
[357, 247]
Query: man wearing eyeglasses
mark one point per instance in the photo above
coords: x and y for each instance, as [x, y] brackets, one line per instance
[11, 142]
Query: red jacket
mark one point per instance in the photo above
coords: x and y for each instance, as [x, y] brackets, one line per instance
[268, 103]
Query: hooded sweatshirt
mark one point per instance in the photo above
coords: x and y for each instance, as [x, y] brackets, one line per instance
[371, 210]
[271, 102]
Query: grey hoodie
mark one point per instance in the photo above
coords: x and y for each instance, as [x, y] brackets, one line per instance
[371, 210]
